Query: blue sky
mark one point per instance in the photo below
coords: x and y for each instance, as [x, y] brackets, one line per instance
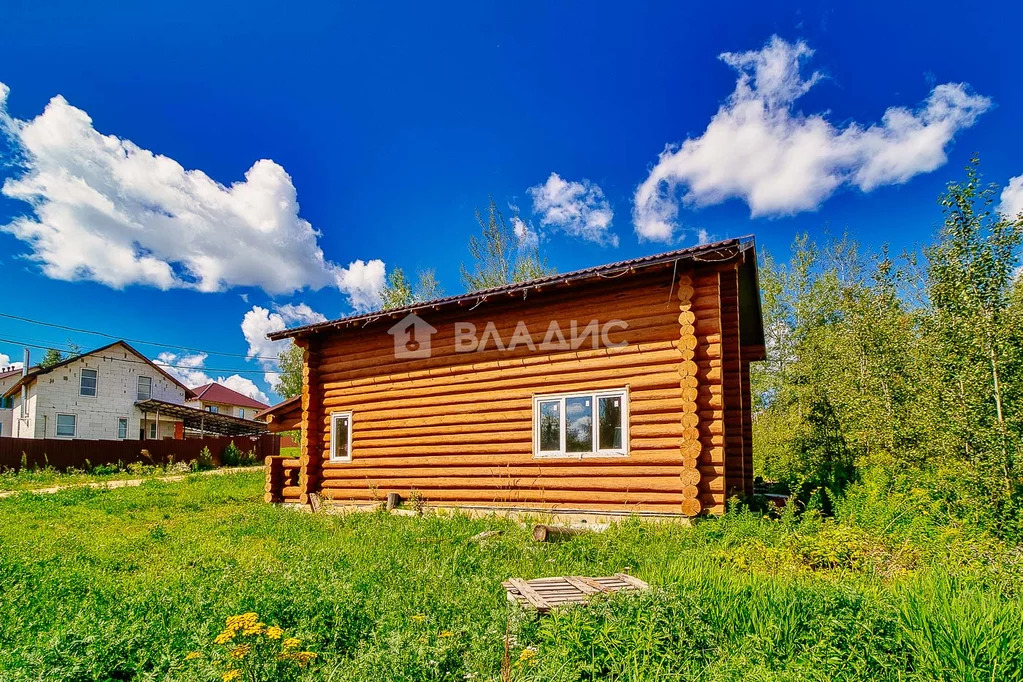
[385, 126]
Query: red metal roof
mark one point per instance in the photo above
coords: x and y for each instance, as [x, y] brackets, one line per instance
[216, 393]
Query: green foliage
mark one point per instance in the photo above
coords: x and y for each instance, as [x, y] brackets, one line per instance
[51, 357]
[899, 364]
[399, 292]
[289, 368]
[499, 257]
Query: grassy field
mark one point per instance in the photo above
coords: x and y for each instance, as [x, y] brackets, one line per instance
[137, 583]
[33, 479]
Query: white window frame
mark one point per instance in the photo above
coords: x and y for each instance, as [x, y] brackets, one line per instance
[138, 382]
[81, 377]
[117, 431]
[241, 412]
[595, 396]
[56, 425]
[334, 417]
[154, 432]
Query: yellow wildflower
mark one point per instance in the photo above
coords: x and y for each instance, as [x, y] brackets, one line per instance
[224, 637]
[291, 643]
[240, 651]
[256, 629]
[527, 654]
[303, 657]
[274, 632]
[192, 656]
[446, 633]
[232, 675]
[419, 618]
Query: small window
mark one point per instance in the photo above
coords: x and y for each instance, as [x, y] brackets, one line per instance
[581, 424]
[212, 408]
[145, 388]
[341, 437]
[241, 412]
[122, 428]
[67, 425]
[87, 383]
[152, 430]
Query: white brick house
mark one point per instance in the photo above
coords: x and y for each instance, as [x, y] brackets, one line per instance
[94, 396]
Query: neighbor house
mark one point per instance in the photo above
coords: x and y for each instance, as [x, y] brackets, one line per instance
[110, 393]
[8, 377]
[223, 400]
[617, 389]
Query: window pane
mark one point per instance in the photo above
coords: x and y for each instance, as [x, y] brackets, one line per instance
[579, 424]
[65, 425]
[610, 426]
[87, 384]
[122, 428]
[340, 437]
[550, 426]
[145, 388]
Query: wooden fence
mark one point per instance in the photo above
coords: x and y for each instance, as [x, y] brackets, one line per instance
[62, 454]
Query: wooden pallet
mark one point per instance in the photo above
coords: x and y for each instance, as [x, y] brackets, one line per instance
[545, 594]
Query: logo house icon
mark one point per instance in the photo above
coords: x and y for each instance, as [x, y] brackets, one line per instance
[412, 337]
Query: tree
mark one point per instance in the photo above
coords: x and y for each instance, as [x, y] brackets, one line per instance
[499, 256]
[51, 357]
[398, 292]
[974, 333]
[289, 362]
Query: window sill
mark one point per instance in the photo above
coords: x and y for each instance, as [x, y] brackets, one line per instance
[580, 455]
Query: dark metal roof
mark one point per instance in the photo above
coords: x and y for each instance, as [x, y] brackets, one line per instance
[218, 393]
[715, 252]
[212, 422]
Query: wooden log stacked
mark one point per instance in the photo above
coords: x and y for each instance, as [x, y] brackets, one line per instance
[311, 460]
[690, 444]
[282, 478]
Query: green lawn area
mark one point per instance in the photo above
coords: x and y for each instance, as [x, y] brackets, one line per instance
[32, 479]
[125, 584]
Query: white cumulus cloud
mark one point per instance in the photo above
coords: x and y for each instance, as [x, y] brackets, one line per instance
[6, 364]
[259, 321]
[525, 236]
[106, 210]
[1012, 198]
[759, 149]
[577, 208]
[189, 369]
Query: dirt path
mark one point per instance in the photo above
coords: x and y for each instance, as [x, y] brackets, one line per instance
[126, 482]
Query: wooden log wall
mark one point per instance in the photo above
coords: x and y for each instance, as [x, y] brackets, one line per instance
[457, 428]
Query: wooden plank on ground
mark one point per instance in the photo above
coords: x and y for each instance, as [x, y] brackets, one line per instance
[543, 594]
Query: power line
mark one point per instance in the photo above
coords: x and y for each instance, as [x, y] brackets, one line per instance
[138, 341]
[135, 362]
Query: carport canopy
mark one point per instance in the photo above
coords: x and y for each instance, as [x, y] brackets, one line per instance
[201, 420]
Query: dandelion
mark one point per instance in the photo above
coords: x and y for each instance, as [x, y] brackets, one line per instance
[446, 633]
[419, 618]
[274, 632]
[231, 675]
[192, 656]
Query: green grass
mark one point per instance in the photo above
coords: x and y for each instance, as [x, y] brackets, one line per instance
[123, 584]
[48, 477]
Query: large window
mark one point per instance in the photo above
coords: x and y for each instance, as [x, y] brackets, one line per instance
[145, 388]
[122, 428]
[87, 382]
[341, 437]
[591, 424]
[67, 426]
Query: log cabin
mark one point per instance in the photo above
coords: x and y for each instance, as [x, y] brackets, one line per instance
[619, 389]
